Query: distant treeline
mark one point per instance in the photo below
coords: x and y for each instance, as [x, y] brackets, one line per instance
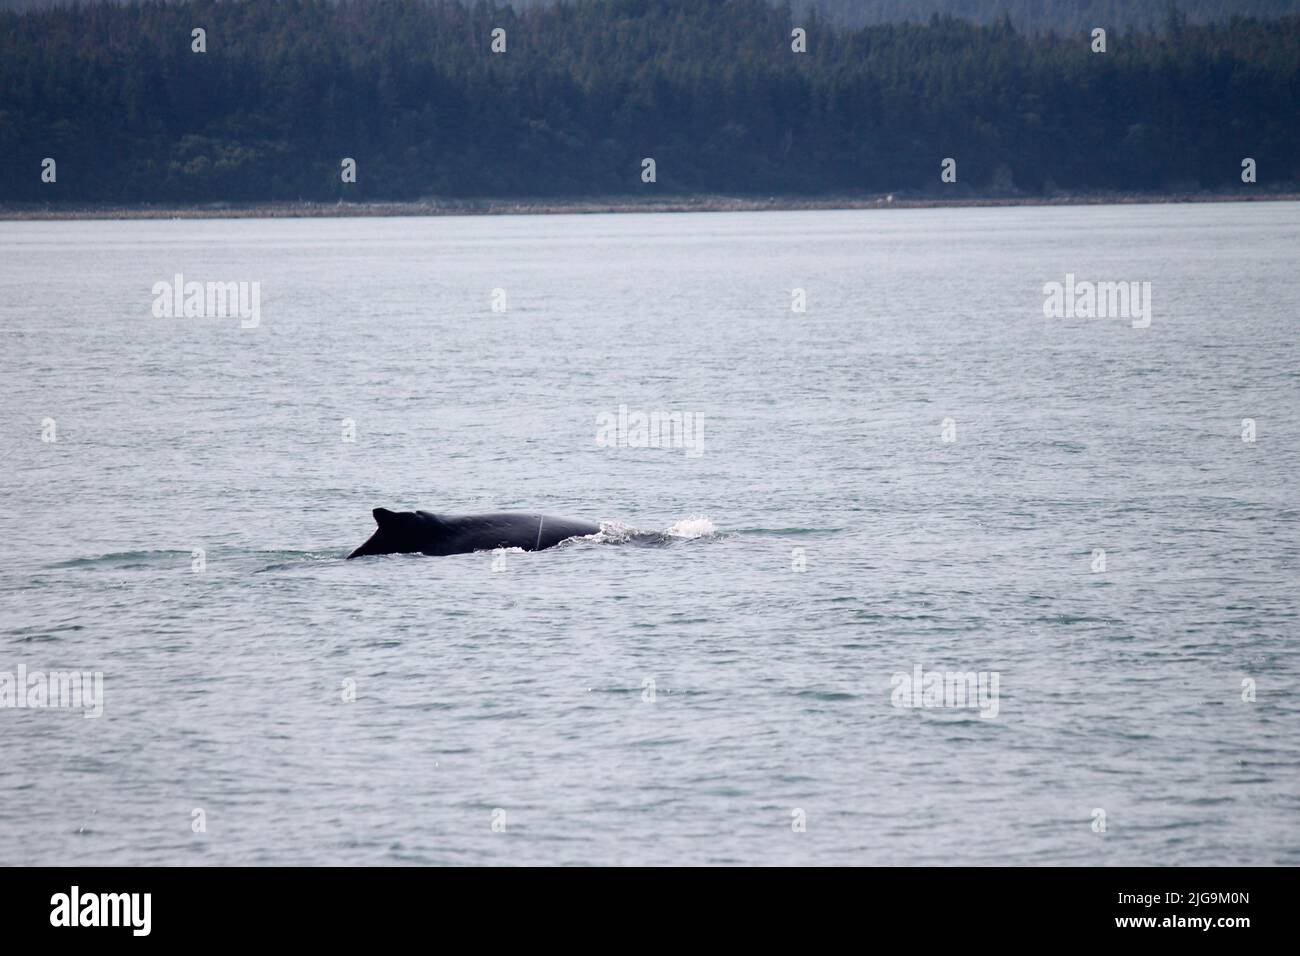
[710, 89]
[1034, 16]
[1041, 16]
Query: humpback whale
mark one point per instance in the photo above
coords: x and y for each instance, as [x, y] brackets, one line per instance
[409, 532]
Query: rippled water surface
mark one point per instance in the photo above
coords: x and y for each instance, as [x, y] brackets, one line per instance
[526, 689]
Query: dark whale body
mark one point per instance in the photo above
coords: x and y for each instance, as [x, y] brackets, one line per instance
[411, 532]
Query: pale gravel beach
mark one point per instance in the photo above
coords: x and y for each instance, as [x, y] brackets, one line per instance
[605, 205]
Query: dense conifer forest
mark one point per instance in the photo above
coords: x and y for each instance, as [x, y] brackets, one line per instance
[1046, 15]
[710, 89]
[1029, 15]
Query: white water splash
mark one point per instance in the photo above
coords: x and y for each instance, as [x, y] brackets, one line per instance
[697, 526]
[616, 532]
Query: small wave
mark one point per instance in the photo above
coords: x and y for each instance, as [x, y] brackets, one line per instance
[291, 560]
[175, 559]
[120, 559]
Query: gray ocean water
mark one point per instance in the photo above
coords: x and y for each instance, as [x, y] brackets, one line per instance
[690, 697]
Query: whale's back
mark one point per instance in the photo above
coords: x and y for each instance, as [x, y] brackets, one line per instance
[424, 532]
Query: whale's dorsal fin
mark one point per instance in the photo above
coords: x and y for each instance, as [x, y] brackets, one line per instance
[383, 516]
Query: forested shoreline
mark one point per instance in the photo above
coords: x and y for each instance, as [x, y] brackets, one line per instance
[585, 92]
[1033, 16]
[1041, 16]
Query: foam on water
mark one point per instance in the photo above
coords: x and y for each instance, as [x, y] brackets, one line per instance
[617, 532]
[694, 527]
